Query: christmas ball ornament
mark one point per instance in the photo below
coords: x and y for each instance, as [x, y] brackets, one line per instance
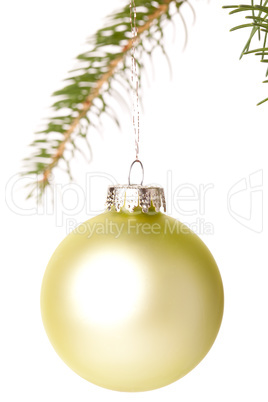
[132, 299]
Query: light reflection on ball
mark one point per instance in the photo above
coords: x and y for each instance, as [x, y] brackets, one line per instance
[98, 292]
[132, 302]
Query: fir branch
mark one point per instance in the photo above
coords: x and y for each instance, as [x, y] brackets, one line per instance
[81, 103]
[258, 24]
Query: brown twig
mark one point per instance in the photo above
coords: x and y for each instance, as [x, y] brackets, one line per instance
[96, 91]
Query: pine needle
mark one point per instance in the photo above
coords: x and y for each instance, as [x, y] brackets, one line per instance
[258, 26]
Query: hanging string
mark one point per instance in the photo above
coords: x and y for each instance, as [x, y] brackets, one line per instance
[134, 78]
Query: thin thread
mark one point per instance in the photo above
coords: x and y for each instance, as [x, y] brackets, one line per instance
[134, 78]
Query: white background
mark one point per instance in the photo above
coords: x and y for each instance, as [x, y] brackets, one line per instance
[201, 127]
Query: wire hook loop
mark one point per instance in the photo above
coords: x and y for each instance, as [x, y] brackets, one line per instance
[130, 169]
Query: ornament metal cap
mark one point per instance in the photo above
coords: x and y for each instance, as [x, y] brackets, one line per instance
[131, 196]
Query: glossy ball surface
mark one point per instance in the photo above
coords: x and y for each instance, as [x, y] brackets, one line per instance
[132, 302]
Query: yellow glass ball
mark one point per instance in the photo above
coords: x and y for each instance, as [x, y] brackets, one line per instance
[132, 302]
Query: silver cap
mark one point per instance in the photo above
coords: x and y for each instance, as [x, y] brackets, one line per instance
[130, 196]
[134, 195]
